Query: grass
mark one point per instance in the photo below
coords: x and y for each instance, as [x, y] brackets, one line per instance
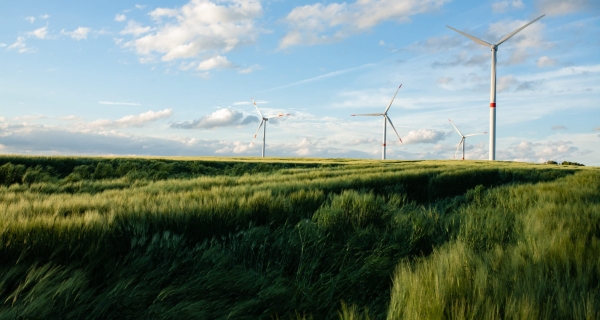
[244, 238]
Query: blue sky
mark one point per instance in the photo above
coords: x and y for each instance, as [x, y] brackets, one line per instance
[151, 78]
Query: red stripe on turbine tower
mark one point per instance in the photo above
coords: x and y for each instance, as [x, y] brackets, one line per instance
[492, 104]
[384, 144]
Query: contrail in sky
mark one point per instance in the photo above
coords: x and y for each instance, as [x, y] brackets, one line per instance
[323, 76]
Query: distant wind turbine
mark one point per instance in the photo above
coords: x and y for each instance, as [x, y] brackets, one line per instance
[386, 119]
[494, 48]
[264, 121]
[462, 140]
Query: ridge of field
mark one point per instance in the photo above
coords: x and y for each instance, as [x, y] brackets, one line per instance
[247, 238]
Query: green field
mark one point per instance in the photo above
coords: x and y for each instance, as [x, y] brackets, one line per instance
[247, 238]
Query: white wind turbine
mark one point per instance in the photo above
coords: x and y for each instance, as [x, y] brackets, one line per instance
[462, 140]
[494, 48]
[263, 121]
[386, 119]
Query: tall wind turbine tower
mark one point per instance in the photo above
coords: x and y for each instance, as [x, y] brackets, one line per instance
[386, 119]
[263, 121]
[494, 48]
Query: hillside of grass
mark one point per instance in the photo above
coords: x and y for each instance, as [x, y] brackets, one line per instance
[210, 238]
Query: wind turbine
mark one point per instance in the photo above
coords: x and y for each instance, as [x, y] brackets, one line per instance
[386, 119]
[494, 48]
[263, 121]
[462, 139]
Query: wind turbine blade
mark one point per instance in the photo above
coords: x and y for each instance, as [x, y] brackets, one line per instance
[481, 42]
[475, 134]
[456, 128]
[391, 124]
[368, 114]
[257, 108]
[508, 36]
[256, 133]
[394, 97]
[461, 141]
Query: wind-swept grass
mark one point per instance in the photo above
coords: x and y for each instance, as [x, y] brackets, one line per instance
[244, 239]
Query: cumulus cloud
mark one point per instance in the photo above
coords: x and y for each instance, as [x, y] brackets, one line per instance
[40, 33]
[545, 61]
[135, 28]
[131, 120]
[30, 19]
[77, 34]
[503, 6]
[21, 46]
[529, 85]
[52, 140]
[541, 152]
[424, 136]
[218, 62]
[44, 16]
[221, 118]
[562, 7]
[250, 69]
[444, 80]
[364, 141]
[120, 17]
[197, 29]
[505, 83]
[324, 23]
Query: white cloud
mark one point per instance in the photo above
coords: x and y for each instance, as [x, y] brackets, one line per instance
[77, 34]
[319, 23]
[40, 33]
[135, 28]
[130, 120]
[30, 117]
[250, 69]
[3, 45]
[120, 103]
[505, 83]
[562, 7]
[545, 61]
[503, 6]
[221, 118]
[120, 17]
[200, 28]
[21, 46]
[444, 80]
[30, 19]
[140, 6]
[44, 16]
[218, 62]
[424, 136]
[35, 139]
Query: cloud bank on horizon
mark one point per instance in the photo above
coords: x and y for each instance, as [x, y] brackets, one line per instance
[149, 79]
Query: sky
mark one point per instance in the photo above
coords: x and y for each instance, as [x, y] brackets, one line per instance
[176, 78]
